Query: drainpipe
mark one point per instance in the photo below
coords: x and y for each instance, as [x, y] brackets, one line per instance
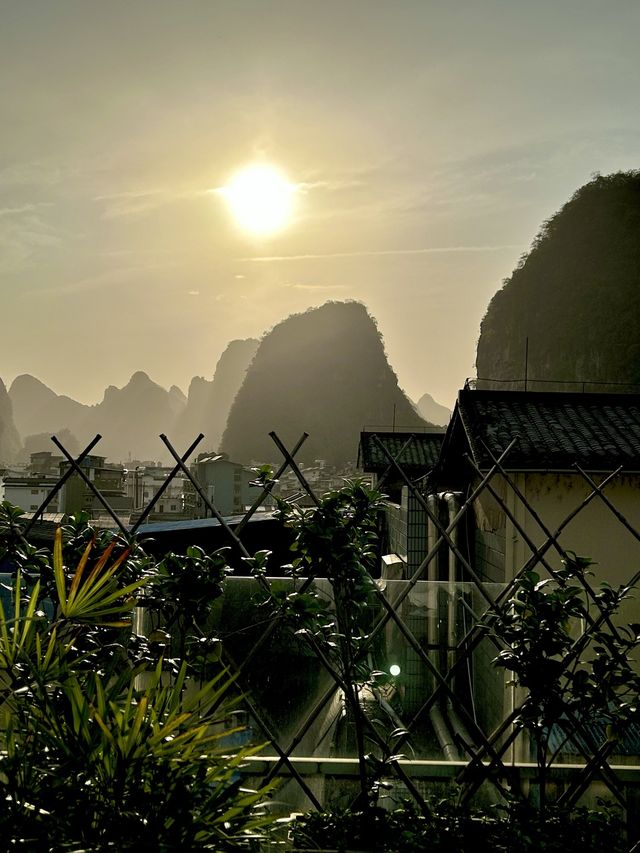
[432, 586]
[452, 505]
[460, 730]
[458, 726]
[445, 738]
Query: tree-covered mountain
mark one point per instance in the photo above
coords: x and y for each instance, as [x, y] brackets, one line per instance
[575, 295]
[324, 372]
[208, 403]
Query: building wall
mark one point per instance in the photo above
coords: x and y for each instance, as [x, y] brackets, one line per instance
[595, 532]
[29, 494]
[226, 485]
[396, 517]
[502, 550]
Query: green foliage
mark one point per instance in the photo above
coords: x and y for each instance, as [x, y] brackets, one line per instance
[182, 590]
[443, 827]
[336, 540]
[561, 671]
[575, 295]
[100, 746]
[571, 675]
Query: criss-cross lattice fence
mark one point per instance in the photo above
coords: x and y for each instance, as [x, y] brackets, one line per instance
[446, 714]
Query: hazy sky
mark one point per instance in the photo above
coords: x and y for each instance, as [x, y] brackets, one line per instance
[431, 140]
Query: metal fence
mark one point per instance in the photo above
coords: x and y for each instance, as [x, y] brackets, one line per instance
[452, 714]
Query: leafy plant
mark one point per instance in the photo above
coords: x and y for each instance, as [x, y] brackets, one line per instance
[443, 826]
[336, 540]
[100, 748]
[570, 678]
[183, 590]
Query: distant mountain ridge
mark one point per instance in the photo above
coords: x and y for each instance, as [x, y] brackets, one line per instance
[130, 418]
[9, 437]
[432, 411]
[38, 409]
[324, 372]
[208, 402]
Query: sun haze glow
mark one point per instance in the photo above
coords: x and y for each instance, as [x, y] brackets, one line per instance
[261, 199]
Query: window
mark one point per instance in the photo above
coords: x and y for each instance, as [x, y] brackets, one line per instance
[172, 507]
[34, 506]
[35, 491]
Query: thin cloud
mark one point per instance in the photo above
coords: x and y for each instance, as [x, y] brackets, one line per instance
[139, 202]
[33, 173]
[364, 253]
[317, 286]
[23, 209]
[23, 234]
[107, 278]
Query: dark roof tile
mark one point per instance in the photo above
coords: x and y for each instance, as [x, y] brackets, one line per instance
[418, 457]
[553, 430]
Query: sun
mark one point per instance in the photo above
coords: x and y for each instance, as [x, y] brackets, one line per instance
[260, 198]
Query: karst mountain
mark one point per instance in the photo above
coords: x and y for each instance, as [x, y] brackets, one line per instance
[324, 372]
[209, 402]
[130, 419]
[9, 436]
[570, 311]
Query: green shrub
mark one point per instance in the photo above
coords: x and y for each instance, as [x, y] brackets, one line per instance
[102, 745]
[443, 828]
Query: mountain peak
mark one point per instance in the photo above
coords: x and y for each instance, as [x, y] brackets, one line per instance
[140, 378]
[324, 372]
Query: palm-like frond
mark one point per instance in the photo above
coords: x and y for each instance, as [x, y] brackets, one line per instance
[96, 598]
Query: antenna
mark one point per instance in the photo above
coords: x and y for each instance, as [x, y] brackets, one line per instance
[526, 362]
[394, 418]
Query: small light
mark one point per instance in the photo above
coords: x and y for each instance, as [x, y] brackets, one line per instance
[394, 670]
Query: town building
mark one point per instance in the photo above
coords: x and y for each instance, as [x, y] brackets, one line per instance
[144, 481]
[228, 485]
[405, 530]
[553, 440]
[109, 479]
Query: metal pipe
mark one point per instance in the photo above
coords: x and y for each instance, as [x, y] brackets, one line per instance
[458, 726]
[451, 500]
[432, 585]
[445, 738]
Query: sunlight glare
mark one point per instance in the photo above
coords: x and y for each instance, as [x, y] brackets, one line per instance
[260, 198]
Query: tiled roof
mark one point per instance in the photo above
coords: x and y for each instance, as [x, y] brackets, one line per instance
[419, 456]
[553, 430]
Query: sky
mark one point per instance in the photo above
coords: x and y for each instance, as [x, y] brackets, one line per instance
[428, 140]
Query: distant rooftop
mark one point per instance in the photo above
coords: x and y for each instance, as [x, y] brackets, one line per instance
[419, 456]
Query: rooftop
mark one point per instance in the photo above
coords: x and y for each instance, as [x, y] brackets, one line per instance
[419, 456]
[553, 430]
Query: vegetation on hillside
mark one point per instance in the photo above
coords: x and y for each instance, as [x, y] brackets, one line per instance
[575, 295]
